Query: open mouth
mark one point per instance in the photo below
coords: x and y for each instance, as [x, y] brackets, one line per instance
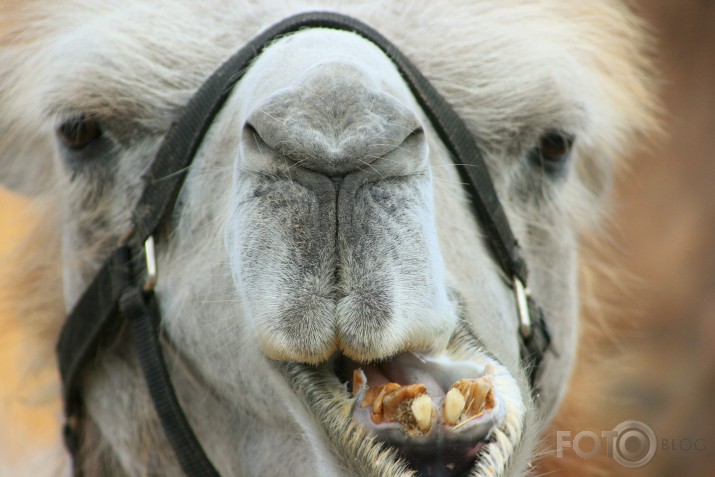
[459, 413]
[425, 407]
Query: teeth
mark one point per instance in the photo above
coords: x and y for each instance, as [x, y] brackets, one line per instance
[477, 394]
[385, 390]
[422, 411]
[408, 405]
[393, 402]
[359, 381]
[453, 406]
[413, 408]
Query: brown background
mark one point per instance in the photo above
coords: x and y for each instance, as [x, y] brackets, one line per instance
[655, 361]
[667, 218]
[652, 358]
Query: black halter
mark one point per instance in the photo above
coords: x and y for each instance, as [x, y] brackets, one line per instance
[123, 288]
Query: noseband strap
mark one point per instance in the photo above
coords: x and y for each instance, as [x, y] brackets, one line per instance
[122, 291]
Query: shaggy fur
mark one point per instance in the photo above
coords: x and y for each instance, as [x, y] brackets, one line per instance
[512, 69]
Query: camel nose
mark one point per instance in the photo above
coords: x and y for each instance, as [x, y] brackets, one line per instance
[334, 120]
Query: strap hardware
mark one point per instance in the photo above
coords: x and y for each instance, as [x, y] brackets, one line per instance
[151, 271]
[521, 293]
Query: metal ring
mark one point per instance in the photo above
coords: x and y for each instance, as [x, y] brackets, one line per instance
[522, 305]
[151, 273]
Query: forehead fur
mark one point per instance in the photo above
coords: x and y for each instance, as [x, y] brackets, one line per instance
[506, 65]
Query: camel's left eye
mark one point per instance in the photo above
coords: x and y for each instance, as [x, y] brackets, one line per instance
[78, 132]
[553, 152]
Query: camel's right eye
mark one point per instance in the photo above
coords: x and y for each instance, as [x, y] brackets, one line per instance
[78, 132]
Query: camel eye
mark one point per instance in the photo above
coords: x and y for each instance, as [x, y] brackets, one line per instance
[553, 152]
[78, 132]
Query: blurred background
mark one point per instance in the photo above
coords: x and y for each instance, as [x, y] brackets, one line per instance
[649, 352]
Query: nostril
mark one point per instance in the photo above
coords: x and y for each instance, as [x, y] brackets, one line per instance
[252, 137]
[340, 132]
[414, 140]
[250, 129]
[268, 148]
[415, 134]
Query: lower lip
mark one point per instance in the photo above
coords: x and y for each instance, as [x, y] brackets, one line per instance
[452, 461]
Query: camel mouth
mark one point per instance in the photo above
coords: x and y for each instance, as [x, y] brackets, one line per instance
[437, 413]
[457, 413]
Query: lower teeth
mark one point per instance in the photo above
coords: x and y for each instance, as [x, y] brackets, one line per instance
[412, 407]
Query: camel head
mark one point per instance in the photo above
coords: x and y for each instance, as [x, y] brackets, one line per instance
[330, 304]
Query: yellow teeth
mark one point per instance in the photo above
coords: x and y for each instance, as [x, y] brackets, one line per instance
[422, 411]
[453, 406]
[375, 396]
[413, 408]
[478, 395]
[397, 401]
[359, 381]
[408, 405]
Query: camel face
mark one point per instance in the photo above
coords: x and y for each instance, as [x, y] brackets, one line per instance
[332, 207]
[333, 243]
[327, 294]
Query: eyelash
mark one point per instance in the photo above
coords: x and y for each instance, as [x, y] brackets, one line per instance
[79, 132]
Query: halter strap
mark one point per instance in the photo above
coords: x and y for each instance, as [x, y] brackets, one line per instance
[121, 292]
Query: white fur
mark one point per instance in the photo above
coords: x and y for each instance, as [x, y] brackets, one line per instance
[512, 69]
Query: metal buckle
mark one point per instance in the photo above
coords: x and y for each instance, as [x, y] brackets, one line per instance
[150, 256]
[521, 294]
